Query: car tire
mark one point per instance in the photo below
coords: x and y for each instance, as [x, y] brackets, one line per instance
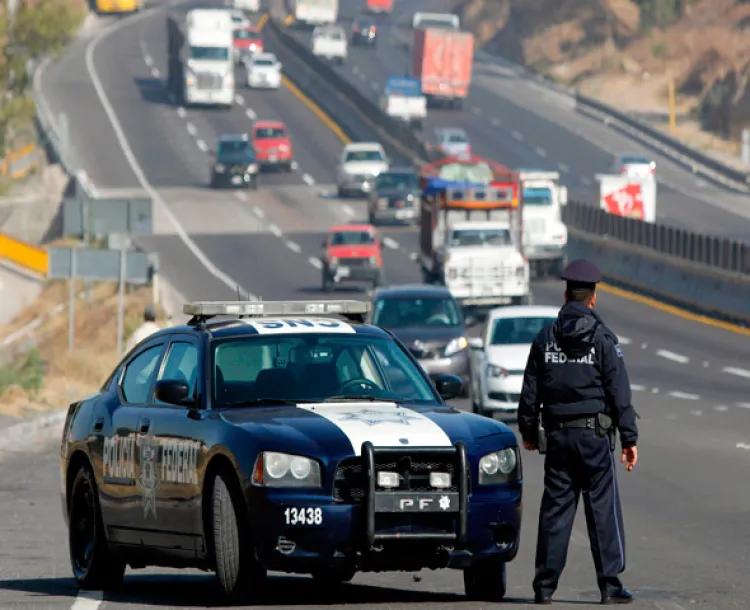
[94, 565]
[486, 581]
[240, 576]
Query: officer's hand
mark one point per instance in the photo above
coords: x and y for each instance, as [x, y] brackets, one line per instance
[631, 456]
[529, 446]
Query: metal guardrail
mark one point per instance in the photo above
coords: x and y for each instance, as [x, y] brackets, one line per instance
[711, 251]
[683, 154]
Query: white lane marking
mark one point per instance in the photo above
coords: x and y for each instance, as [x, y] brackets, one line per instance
[743, 405]
[517, 135]
[181, 112]
[202, 145]
[315, 262]
[744, 446]
[696, 412]
[496, 122]
[133, 162]
[684, 396]
[308, 179]
[149, 60]
[240, 195]
[191, 129]
[294, 166]
[625, 341]
[348, 209]
[475, 110]
[239, 99]
[258, 212]
[706, 364]
[563, 168]
[644, 345]
[251, 114]
[637, 388]
[540, 151]
[88, 600]
[293, 247]
[585, 180]
[654, 390]
[735, 371]
[665, 353]
[721, 408]
[155, 72]
[390, 243]
[275, 230]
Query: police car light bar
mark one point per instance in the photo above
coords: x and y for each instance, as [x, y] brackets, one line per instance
[275, 308]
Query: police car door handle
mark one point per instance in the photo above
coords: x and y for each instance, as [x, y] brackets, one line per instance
[99, 424]
[143, 426]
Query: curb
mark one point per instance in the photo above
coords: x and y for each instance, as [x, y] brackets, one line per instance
[22, 434]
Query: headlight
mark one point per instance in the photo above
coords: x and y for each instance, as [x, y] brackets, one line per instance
[283, 148]
[456, 346]
[499, 467]
[284, 470]
[220, 168]
[252, 168]
[373, 260]
[520, 271]
[410, 197]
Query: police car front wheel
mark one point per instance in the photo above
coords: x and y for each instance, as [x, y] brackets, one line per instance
[486, 581]
[94, 565]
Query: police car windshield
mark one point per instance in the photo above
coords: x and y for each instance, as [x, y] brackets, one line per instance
[352, 238]
[518, 331]
[410, 312]
[313, 366]
[480, 237]
[210, 53]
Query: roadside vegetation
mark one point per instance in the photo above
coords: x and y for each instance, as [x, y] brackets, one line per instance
[42, 375]
[36, 29]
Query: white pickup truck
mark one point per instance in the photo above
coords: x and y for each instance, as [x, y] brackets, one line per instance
[545, 235]
[329, 42]
[403, 100]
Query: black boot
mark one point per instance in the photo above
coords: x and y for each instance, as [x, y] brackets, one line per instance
[543, 599]
[620, 596]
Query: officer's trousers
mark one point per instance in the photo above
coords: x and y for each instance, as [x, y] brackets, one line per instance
[579, 461]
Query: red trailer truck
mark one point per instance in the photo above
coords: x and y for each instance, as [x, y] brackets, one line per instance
[442, 60]
[380, 6]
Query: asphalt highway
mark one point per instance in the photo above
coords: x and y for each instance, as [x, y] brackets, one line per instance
[513, 120]
[685, 505]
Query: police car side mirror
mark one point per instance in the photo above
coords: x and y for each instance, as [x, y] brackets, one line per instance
[173, 392]
[476, 343]
[448, 386]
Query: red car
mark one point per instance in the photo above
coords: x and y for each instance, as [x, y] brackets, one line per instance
[352, 254]
[273, 147]
[247, 41]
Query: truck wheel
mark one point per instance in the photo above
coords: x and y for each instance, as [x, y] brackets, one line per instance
[94, 565]
[239, 575]
[486, 581]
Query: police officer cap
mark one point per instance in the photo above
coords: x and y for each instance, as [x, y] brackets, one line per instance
[582, 272]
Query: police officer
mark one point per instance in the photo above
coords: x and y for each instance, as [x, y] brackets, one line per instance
[575, 394]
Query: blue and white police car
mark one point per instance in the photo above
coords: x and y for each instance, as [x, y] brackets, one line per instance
[285, 436]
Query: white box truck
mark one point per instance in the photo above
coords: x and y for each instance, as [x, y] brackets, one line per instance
[316, 12]
[200, 51]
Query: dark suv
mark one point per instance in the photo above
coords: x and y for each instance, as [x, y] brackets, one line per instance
[429, 322]
[236, 164]
[395, 197]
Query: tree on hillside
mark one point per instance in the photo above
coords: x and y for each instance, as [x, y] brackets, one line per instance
[659, 13]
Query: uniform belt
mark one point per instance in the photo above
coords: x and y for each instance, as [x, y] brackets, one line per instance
[580, 422]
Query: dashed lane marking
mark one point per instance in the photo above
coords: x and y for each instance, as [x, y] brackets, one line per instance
[563, 168]
[240, 195]
[663, 353]
[239, 99]
[743, 405]
[308, 179]
[540, 151]
[155, 72]
[517, 135]
[315, 262]
[88, 600]
[735, 371]
[181, 112]
[275, 230]
[390, 243]
[258, 212]
[696, 412]
[191, 129]
[637, 388]
[348, 210]
[721, 408]
[684, 396]
[625, 341]
[293, 247]
[496, 122]
[251, 114]
[743, 446]
[294, 166]
[202, 145]
[476, 111]
[149, 61]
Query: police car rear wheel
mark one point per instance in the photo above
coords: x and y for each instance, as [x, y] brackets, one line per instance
[239, 575]
[486, 581]
[94, 565]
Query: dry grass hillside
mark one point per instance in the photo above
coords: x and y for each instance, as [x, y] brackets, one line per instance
[601, 48]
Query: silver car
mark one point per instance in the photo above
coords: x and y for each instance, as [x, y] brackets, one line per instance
[634, 165]
[453, 142]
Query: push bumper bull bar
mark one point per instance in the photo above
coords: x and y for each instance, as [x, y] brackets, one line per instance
[381, 502]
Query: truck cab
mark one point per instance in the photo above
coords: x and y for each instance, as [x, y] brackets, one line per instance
[403, 100]
[545, 234]
[352, 253]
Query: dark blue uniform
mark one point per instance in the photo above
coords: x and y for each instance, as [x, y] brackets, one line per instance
[575, 371]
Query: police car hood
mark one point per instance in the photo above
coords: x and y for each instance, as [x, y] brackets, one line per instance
[575, 329]
[337, 430]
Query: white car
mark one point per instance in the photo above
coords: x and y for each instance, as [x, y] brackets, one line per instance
[453, 141]
[263, 71]
[360, 164]
[634, 165]
[330, 42]
[239, 20]
[498, 357]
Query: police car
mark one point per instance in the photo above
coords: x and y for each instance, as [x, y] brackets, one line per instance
[285, 436]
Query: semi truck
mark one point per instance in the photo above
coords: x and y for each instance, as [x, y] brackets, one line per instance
[471, 233]
[200, 51]
[545, 234]
[316, 12]
[442, 61]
